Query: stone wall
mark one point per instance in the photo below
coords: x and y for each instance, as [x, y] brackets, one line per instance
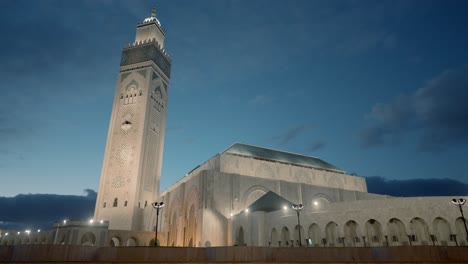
[55, 253]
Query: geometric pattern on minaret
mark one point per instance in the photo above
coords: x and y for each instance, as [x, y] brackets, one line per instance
[132, 163]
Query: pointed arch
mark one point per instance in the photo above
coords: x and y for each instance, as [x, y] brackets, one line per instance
[374, 232]
[396, 232]
[332, 234]
[240, 241]
[315, 234]
[274, 238]
[419, 231]
[88, 239]
[442, 230]
[253, 194]
[352, 233]
[296, 236]
[285, 238]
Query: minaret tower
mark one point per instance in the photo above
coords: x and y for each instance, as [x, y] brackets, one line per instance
[132, 163]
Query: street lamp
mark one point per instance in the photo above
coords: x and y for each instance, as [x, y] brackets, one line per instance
[460, 202]
[298, 208]
[158, 206]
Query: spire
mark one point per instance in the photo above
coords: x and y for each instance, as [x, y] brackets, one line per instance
[153, 12]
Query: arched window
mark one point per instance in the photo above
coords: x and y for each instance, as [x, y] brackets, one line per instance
[115, 202]
[146, 203]
[125, 204]
[104, 205]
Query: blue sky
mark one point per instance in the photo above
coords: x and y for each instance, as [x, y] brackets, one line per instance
[377, 88]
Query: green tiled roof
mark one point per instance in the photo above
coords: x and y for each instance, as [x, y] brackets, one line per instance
[280, 156]
[269, 202]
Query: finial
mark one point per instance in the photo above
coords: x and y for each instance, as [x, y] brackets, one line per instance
[153, 12]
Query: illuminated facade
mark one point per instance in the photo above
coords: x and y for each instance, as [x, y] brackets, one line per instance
[241, 196]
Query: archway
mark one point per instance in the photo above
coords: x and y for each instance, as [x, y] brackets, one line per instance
[285, 238]
[274, 238]
[172, 237]
[296, 236]
[442, 231]
[191, 226]
[115, 242]
[240, 237]
[253, 194]
[88, 239]
[332, 235]
[352, 233]
[396, 232]
[190, 244]
[315, 235]
[374, 232]
[132, 242]
[419, 231]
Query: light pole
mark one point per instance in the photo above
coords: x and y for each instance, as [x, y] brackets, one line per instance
[298, 208]
[158, 206]
[460, 202]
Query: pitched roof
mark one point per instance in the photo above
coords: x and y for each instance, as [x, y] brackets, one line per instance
[269, 202]
[280, 156]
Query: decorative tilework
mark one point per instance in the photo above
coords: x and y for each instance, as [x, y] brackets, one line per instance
[143, 73]
[142, 53]
[124, 76]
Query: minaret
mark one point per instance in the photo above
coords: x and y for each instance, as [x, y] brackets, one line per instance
[132, 163]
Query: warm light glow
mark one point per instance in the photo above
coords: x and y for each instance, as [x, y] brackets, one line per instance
[231, 214]
[315, 203]
[102, 221]
[27, 231]
[247, 210]
[158, 205]
[6, 234]
[91, 221]
[18, 233]
[460, 201]
[285, 207]
[64, 221]
[297, 207]
[38, 230]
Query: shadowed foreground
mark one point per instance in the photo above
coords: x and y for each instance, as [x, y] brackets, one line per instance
[57, 254]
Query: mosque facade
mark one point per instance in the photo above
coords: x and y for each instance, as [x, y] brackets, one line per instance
[243, 196]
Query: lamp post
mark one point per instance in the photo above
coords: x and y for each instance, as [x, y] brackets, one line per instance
[298, 208]
[158, 206]
[460, 202]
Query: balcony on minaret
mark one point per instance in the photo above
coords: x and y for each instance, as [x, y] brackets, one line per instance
[150, 29]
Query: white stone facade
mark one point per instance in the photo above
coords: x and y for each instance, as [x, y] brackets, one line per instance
[210, 205]
[132, 164]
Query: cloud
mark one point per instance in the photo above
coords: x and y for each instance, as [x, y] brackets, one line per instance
[316, 145]
[41, 210]
[416, 187]
[289, 135]
[437, 112]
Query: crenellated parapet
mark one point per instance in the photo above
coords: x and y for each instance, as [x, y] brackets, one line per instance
[147, 50]
[148, 41]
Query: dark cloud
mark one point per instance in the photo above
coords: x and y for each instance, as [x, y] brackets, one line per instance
[416, 187]
[289, 135]
[316, 145]
[437, 112]
[41, 210]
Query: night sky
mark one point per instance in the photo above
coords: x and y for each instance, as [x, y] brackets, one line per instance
[376, 88]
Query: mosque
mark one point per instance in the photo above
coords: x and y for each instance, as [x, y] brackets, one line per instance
[243, 196]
